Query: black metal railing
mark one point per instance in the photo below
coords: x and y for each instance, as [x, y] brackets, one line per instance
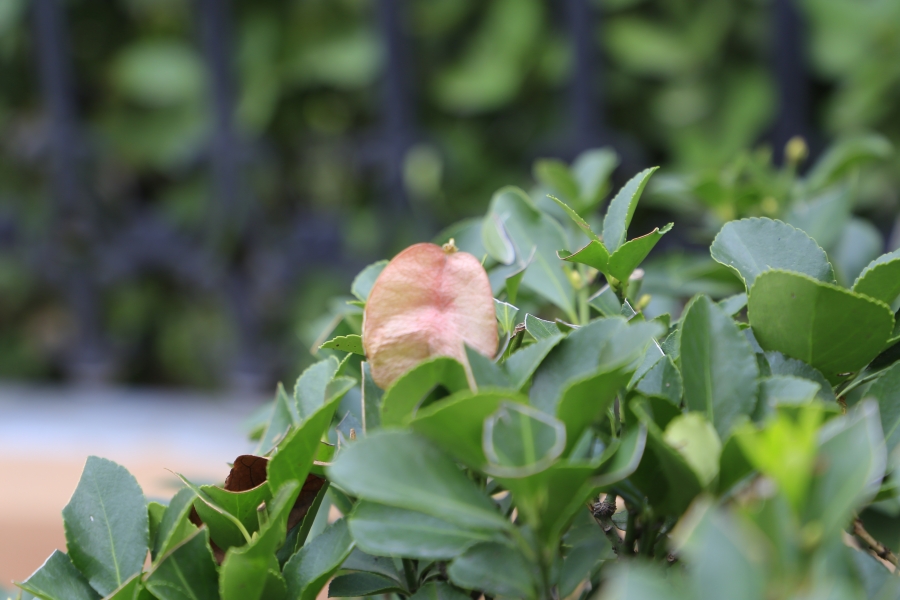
[78, 257]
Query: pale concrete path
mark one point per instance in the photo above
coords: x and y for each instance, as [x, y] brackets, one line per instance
[46, 434]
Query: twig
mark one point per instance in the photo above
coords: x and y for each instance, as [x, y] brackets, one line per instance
[602, 513]
[874, 545]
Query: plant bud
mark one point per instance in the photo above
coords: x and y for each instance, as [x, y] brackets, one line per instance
[427, 302]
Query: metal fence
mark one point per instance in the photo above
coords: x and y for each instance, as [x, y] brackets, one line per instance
[82, 252]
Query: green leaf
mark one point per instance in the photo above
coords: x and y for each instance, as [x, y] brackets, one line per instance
[859, 244]
[521, 365]
[514, 279]
[752, 246]
[830, 328]
[586, 399]
[107, 526]
[592, 169]
[456, 423]
[718, 365]
[309, 391]
[846, 155]
[371, 399]
[403, 397]
[621, 209]
[663, 475]
[881, 279]
[58, 579]
[346, 343]
[632, 253]
[600, 346]
[506, 315]
[853, 452]
[606, 302]
[695, 439]
[725, 555]
[663, 380]
[732, 305]
[495, 569]
[245, 570]
[129, 590]
[174, 526]
[779, 364]
[382, 565]
[187, 572]
[529, 228]
[241, 505]
[438, 590]
[576, 218]
[297, 452]
[401, 469]
[520, 441]
[823, 217]
[540, 329]
[226, 526]
[555, 174]
[389, 531]
[279, 423]
[496, 240]
[635, 580]
[886, 391]
[594, 255]
[362, 283]
[356, 585]
[626, 459]
[309, 570]
[485, 371]
[778, 390]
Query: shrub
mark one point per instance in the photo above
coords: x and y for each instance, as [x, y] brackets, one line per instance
[743, 450]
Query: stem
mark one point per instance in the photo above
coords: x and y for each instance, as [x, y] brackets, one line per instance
[631, 531]
[409, 570]
[872, 544]
[602, 513]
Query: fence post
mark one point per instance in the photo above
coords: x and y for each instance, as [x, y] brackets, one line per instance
[586, 94]
[789, 65]
[70, 241]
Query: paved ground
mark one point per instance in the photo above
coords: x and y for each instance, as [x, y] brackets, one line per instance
[47, 433]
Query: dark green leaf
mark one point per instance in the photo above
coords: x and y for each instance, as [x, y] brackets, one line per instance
[362, 283]
[520, 441]
[626, 459]
[438, 590]
[58, 579]
[576, 218]
[718, 365]
[886, 390]
[130, 590]
[188, 572]
[540, 329]
[634, 580]
[309, 570]
[881, 279]
[621, 209]
[853, 452]
[663, 380]
[632, 253]
[346, 343]
[522, 364]
[241, 505]
[506, 315]
[830, 328]
[587, 399]
[779, 364]
[594, 255]
[371, 399]
[529, 228]
[823, 217]
[859, 244]
[390, 531]
[174, 526]
[356, 585]
[555, 175]
[456, 423]
[107, 527]
[495, 569]
[401, 469]
[485, 371]
[382, 565]
[752, 246]
[404, 396]
[309, 391]
[606, 302]
[297, 452]
[279, 423]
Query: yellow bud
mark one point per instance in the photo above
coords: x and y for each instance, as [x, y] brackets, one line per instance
[796, 151]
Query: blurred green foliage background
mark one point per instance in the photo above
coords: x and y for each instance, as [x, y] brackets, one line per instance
[686, 84]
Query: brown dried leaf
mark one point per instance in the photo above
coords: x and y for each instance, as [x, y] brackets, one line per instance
[308, 493]
[428, 301]
[248, 472]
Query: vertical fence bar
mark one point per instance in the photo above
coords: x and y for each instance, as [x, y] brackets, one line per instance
[72, 236]
[585, 94]
[397, 109]
[231, 214]
[790, 73]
